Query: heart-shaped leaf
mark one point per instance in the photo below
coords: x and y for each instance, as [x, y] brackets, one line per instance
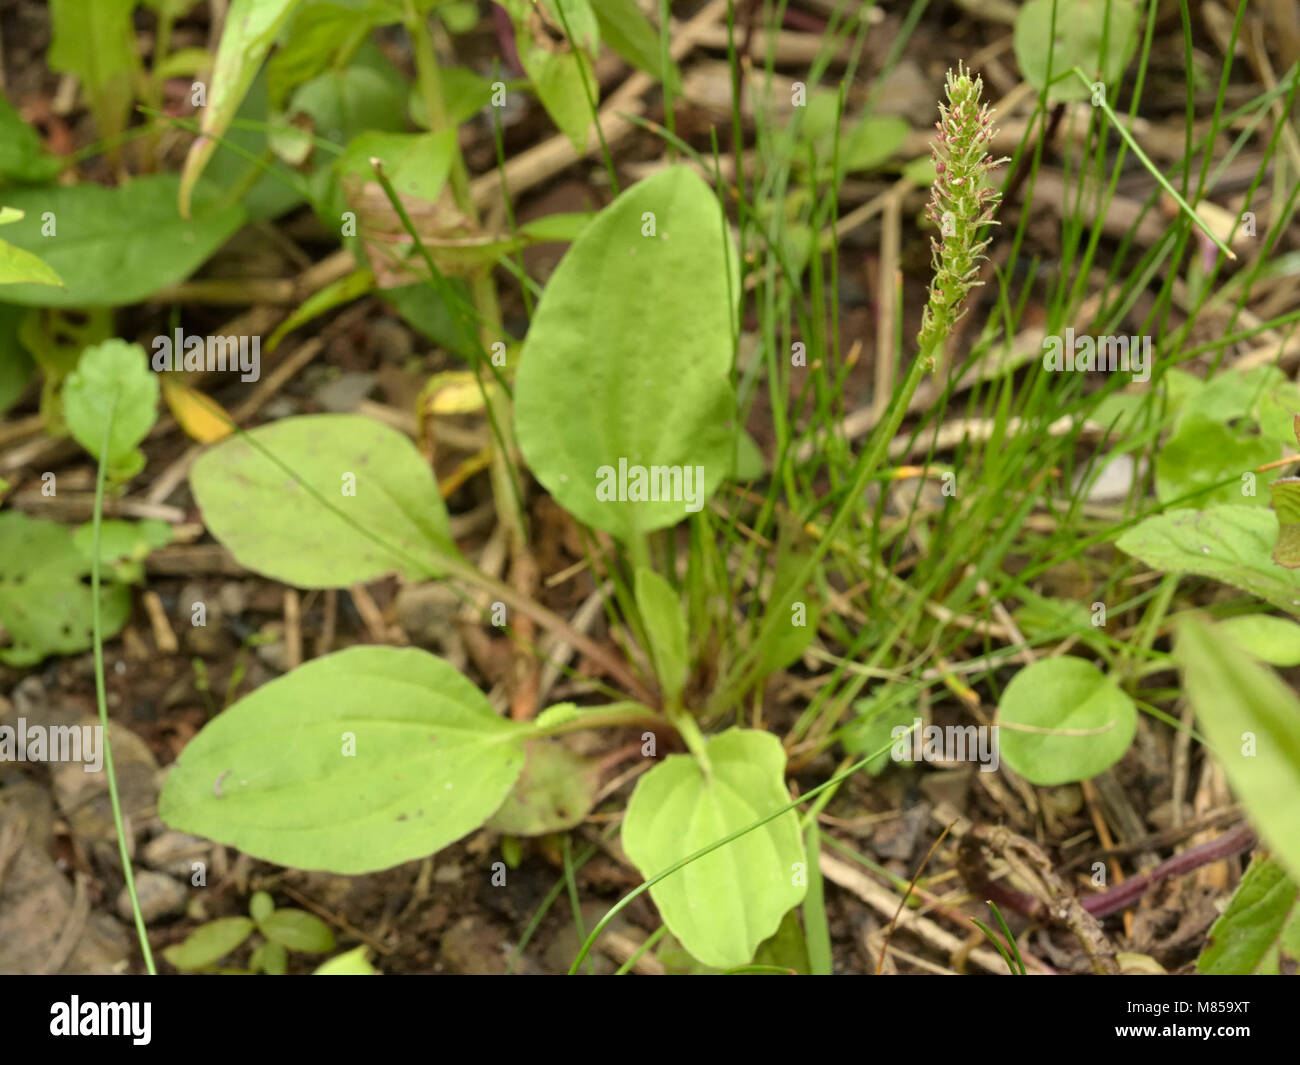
[723, 905]
[1063, 720]
[351, 763]
[360, 502]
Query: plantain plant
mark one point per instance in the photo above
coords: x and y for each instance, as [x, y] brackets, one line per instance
[625, 410]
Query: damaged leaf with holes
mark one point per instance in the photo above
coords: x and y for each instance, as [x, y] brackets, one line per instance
[45, 598]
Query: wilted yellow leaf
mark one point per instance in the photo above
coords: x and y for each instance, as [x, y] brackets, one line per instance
[202, 417]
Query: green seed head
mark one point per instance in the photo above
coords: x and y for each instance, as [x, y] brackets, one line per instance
[961, 203]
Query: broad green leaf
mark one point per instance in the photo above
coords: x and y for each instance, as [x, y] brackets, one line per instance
[251, 27]
[417, 164]
[665, 624]
[111, 384]
[209, 943]
[1086, 721]
[367, 95]
[1259, 933]
[45, 600]
[725, 904]
[1272, 640]
[297, 930]
[1081, 27]
[1285, 493]
[627, 31]
[374, 480]
[555, 791]
[1232, 544]
[1231, 395]
[623, 393]
[1202, 453]
[350, 963]
[557, 78]
[96, 42]
[22, 156]
[354, 762]
[1252, 720]
[114, 246]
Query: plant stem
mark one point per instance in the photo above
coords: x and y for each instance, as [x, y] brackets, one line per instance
[97, 629]
[615, 666]
[615, 715]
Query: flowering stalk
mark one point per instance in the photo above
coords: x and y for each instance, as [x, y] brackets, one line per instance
[961, 204]
[960, 161]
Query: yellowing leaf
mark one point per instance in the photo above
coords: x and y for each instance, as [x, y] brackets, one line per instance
[454, 392]
[196, 413]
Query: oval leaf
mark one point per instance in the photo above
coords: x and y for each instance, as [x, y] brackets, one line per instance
[1064, 695]
[624, 404]
[724, 905]
[298, 930]
[555, 791]
[209, 943]
[273, 776]
[395, 519]
[1252, 719]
